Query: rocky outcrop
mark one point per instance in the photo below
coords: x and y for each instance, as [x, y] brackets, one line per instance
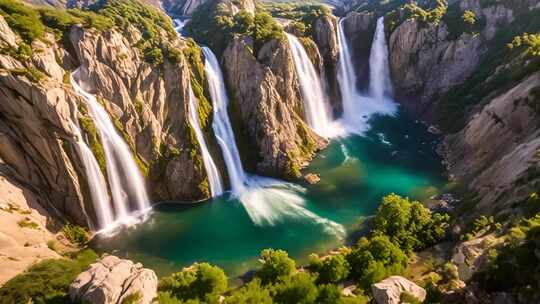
[389, 290]
[150, 104]
[425, 63]
[497, 151]
[266, 107]
[112, 280]
[472, 256]
[325, 36]
[359, 29]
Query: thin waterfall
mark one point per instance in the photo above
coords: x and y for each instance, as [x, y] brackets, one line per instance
[96, 182]
[380, 85]
[214, 178]
[357, 108]
[266, 200]
[317, 110]
[125, 180]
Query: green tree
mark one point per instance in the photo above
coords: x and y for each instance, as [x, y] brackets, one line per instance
[374, 259]
[333, 270]
[251, 293]
[409, 224]
[276, 265]
[299, 289]
[329, 294]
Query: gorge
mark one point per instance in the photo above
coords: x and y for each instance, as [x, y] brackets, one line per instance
[388, 139]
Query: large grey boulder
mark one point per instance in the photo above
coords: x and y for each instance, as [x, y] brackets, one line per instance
[389, 290]
[111, 279]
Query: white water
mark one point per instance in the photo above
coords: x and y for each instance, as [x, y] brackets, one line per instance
[317, 110]
[380, 84]
[179, 25]
[357, 109]
[125, 180]
[96, 182]
[266, 200]
[214, 178]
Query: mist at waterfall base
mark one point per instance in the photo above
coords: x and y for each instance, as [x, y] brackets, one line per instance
[395, 155]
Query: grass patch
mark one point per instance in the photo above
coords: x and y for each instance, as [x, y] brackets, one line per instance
[75, 234]
[47, 281]
[28, 223]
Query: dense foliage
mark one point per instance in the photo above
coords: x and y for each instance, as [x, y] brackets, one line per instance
[47, 281]
[214, 24]
[304, 15]
[409, 224]
[433, 15]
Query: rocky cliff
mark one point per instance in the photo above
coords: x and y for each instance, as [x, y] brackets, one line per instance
[146, 101]
[267, 108]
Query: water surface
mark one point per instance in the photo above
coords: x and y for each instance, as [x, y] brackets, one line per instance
[395, 155]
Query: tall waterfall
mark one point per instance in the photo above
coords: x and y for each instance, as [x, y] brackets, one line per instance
[266, 200]
[357, 109]
[222, 125]
[96, 182]
[380, 85]
[125, 180]
[214, 178]
[317, 111]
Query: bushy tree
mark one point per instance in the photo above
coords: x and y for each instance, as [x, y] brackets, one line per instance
[409, 224]
[333, 269]
[374, 259]
[530, 42]
[276, 265]
[202, 282]
[300, 289]
[433, 16]
[251, 293]
[329, 294]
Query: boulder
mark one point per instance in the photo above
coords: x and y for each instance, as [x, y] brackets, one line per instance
[110, 280]
[389, 290]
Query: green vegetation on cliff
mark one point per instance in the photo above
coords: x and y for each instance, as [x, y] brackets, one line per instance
[214, 24]
[47, 281]
[303, 14]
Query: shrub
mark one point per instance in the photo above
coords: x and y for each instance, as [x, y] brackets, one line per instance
[22, 19]
[433, 16]
[333, 270]
[202, 282]
[299, 289]
[375, 259]
[75, 234]
[27, 223]
[409, 224]
[529, 42]
[47, 281]
[251, 293]
[276, 266]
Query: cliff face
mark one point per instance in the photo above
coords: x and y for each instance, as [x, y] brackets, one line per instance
[497, 151]
[266, 107]
[147, 104]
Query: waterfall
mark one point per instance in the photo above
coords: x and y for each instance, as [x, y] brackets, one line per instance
[265, 200]
[179, 25]
[96, 182]
[317, 111]
[214, 178]
[125, 180]
[357, 109]
[380, 85]
[222, 125]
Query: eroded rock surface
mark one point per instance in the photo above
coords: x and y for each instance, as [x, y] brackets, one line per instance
[110, 280]
[389, 290]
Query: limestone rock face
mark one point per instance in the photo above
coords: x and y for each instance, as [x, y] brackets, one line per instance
[389, 290]
[266, 107]
[111, 279]
[498, 146]
[471, 256]
[425, 64]
[325, 36]
[149, 103]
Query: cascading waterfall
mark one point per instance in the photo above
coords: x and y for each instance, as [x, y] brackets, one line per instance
[266, 200]
[96, 182]
[125, 180]
[317, 110]
[214, 178]
[357, 109]
[179, 25]
[222, 125]
[380, 85]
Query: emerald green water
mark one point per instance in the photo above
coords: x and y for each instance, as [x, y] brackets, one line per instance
[396, 155]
